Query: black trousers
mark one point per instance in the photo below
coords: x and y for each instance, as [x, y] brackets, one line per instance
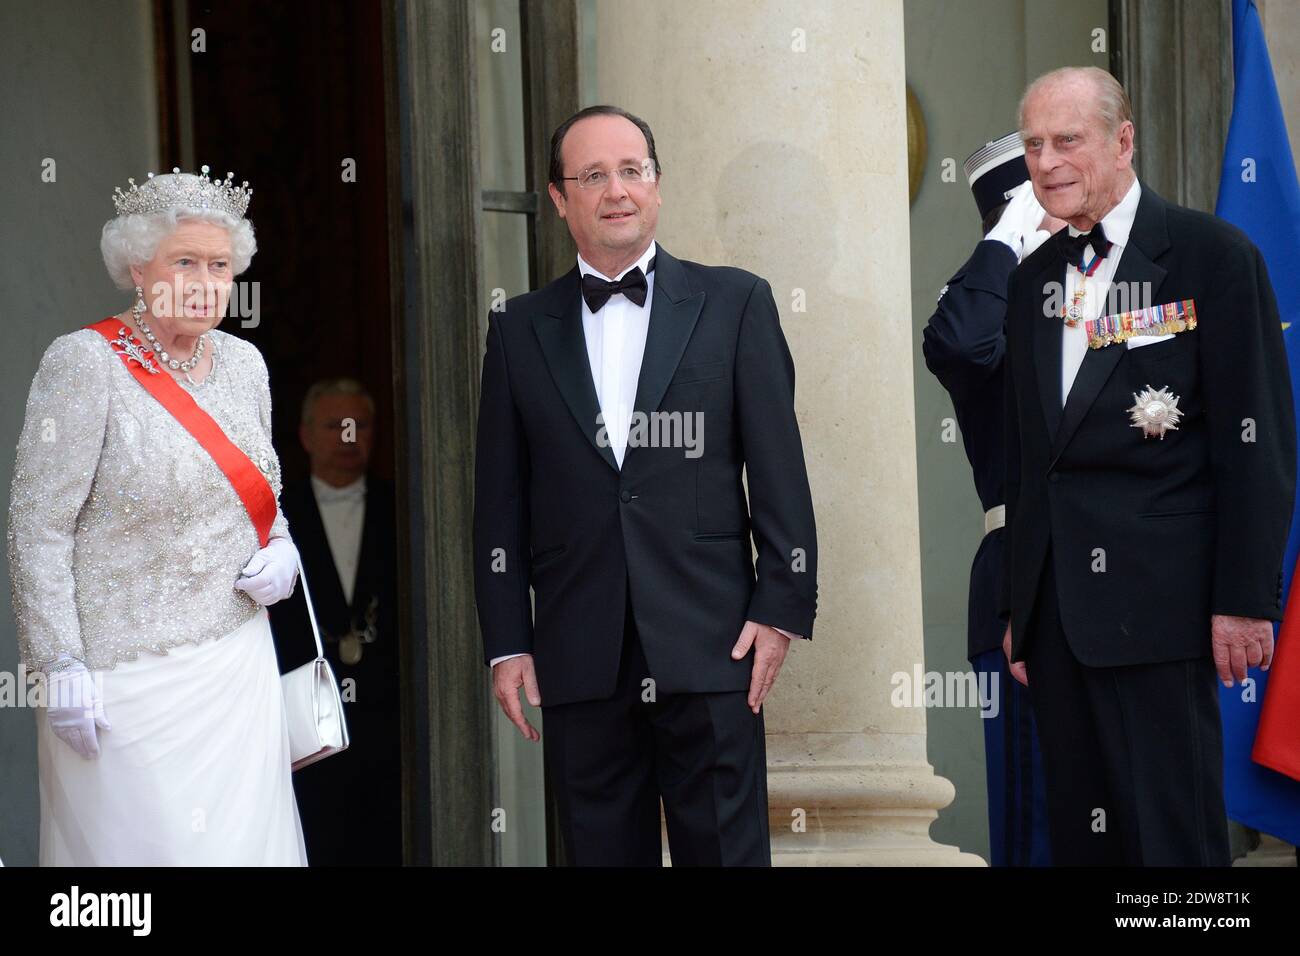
[1133, 755]
[611, 761]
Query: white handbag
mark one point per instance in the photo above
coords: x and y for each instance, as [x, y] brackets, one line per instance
[312, 703]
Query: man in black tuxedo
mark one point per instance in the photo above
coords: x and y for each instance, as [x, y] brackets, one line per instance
[343, 520]
[1150, 476]
[620, 404]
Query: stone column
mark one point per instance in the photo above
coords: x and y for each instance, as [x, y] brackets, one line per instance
[780, 127]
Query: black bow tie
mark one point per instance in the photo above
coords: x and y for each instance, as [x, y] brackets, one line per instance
[633, 285]
[1072, 246]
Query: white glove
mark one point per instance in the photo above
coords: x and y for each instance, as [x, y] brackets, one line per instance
[1019, 221]
[75, 710]
[271, 573]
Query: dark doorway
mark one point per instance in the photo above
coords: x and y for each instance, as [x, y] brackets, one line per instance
[294, 103]
[293, 100]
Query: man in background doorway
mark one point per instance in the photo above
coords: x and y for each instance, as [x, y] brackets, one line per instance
[344, 521]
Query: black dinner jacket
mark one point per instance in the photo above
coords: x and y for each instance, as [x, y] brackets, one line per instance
[376, 576]
[1186, 526]
[350, 804]
[553, 512]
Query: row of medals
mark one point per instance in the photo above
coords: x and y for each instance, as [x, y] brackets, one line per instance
[1155, 411]
[1074, 313]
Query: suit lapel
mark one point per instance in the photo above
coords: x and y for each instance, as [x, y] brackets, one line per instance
[673, 314]
[1147, 240]
[1047, 343]
[327, 594]
[559, 330]
[369, 557]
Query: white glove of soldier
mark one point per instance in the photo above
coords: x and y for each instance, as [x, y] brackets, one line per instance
[271, 573]
[1017, 227]
[75, 710]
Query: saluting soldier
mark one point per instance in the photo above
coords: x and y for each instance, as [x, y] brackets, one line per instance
[964, 345]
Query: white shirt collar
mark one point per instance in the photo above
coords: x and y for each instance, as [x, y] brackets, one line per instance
[586, 268]
[326, 492]
[1118, 223]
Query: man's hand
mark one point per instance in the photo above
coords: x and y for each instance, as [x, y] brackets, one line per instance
[1240, 642]
[769, 654]
[1017, 668]
[507, 678]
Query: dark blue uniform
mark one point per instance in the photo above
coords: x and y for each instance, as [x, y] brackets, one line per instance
[964, 346]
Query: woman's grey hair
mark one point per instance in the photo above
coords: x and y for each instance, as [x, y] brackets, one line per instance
[334, 386]
[1111, 101]
[133, 240]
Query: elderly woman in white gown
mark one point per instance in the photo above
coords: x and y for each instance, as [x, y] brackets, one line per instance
[138, 579]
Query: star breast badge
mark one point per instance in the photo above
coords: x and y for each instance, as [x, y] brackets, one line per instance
[1155, 411]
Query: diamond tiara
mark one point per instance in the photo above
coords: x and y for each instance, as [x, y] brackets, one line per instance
[199, 192]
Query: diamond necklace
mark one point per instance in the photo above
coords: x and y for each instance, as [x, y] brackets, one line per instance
[167, 360]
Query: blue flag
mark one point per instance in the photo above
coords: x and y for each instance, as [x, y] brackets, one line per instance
[1259, 194]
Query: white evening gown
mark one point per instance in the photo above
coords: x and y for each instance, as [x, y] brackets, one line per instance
[194, 772]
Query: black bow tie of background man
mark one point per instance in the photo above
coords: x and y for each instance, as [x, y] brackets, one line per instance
[633, 285]
[1072, 246]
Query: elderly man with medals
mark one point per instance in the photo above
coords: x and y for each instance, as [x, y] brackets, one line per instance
[145, 541]
[964, 345]
[1150, 480]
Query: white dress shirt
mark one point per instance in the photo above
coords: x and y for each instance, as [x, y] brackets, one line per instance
[1117, 224]
[343, 513]
[616, 335]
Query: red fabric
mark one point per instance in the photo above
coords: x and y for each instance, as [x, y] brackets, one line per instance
[249, 483]
[1277, 741]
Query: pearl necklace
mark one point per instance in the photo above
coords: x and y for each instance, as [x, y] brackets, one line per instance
[167, 360]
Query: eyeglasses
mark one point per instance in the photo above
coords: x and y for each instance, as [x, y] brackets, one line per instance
[629, 174]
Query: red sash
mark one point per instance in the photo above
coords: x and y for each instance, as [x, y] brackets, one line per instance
[249, 483]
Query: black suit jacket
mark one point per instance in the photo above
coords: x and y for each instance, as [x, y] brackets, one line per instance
[553, 511]
[1189, 525]
[350, 803]
[964, 344]
[376, 574]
